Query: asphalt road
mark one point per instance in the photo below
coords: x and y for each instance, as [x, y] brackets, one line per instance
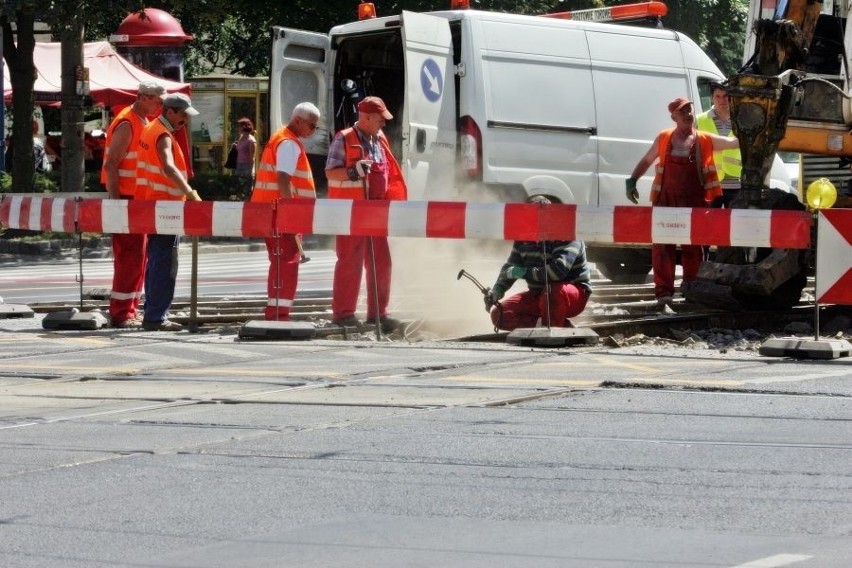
[127, 448]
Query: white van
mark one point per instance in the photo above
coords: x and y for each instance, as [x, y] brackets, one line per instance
[501, 106]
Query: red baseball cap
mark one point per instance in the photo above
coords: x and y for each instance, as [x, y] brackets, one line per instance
[375, 105]
[678, 104]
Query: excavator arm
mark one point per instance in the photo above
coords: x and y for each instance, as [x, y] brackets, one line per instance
[778, 100]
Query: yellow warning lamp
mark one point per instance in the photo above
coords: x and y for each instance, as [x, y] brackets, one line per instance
[366, 10]
[459, 4]
[821, 194]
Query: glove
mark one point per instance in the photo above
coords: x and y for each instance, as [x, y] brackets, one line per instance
[492, 296]
[515, 272]
[363, 167]
[193, 196]
[632, 192]
[490, 300]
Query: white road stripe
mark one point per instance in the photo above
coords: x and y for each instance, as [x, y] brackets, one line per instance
[777, 561]
[797, 378]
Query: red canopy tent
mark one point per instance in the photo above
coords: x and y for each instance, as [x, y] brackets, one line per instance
[113, 81]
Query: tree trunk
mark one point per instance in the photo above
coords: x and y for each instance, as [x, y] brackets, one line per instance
[19, 58]
[73, 157]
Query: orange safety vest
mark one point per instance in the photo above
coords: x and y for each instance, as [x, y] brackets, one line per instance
[127, 165]
[706, 171]
[348, 189]
[152, 182]
[266, 184]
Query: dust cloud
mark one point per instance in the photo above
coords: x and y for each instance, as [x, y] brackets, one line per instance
[426, 286]
[425, 282]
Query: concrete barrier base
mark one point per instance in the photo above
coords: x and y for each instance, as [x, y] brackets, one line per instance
[8, 311]
[799, 348]
[262, 329]
[552, 337]
[74, 319]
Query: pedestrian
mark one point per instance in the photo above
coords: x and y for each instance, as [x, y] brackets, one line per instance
[246, 146]
[685, 177]
[284, 172]
[361, 165]
[40, 159]
[717, 120]
[162, 175]
[118, 174]
[560, 263]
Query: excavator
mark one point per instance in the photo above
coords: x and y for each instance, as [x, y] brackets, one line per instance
[792, 94]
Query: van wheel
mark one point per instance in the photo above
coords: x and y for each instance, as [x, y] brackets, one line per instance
[621, 273]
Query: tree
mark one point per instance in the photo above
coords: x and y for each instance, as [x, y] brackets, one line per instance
[67, 20]
[717, 26]
[234, 34]
[19, 57]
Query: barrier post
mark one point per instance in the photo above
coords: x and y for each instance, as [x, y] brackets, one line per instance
[193, 289]
[76, 319]
[834, 257]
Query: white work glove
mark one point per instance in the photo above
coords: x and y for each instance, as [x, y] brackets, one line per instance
[193, 196]
[363, 167]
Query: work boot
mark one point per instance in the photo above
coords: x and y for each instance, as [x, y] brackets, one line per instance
[127, 324]
[165, 325]
[389, 324]
[348, 321]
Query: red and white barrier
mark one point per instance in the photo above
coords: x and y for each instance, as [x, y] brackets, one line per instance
[834, 257]
[418, 219]
[199, 218]
[37, 213]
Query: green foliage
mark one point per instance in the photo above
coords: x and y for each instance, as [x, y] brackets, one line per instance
[51, 182]
[718, 26]
[218, 187]
[235, 34]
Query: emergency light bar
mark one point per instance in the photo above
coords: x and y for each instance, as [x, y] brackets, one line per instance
[366, 11]
[459, 4]
[615, 13]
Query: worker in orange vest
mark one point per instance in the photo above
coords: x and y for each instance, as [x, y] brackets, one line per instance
[284, 172]
[685, 177]
[361, 165]
[118, 174]
[162, 175]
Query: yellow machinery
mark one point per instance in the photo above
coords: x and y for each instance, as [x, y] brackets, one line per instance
[791, 95]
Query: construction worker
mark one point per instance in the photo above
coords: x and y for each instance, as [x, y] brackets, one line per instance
[118, 174]
[162, 175]
[685, 177]
[717, 120]
[360, 165]
[285, 172]
[560, 263]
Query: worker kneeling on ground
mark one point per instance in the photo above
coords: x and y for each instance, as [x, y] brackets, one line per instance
[557, 265]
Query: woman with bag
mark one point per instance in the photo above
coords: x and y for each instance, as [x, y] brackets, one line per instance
[245, 146]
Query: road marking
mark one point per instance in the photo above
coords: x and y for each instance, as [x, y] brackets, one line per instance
[517, 381]
[794, 379]
[615, 363]
[684, 381]
[777, 561]
[272, 373]
[70, 368]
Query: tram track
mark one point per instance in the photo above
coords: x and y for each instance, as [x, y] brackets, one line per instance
[614, 310]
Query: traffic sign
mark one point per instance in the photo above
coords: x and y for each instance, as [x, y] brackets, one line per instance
[834, 257]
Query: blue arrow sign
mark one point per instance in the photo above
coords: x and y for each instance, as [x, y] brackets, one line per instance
[431, 80]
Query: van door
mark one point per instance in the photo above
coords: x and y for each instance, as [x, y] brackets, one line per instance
[429, 113]
[298, 74]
